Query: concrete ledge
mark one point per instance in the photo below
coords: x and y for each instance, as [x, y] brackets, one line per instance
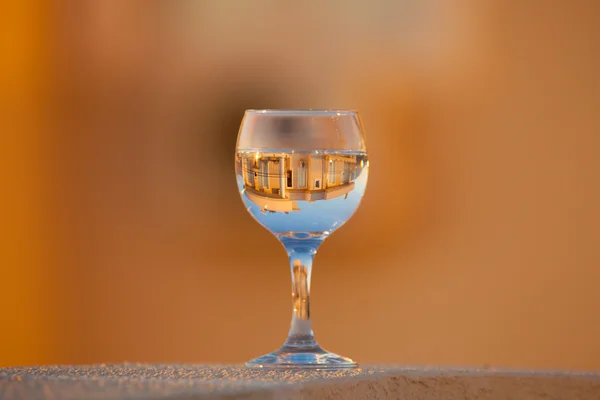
[135, 381]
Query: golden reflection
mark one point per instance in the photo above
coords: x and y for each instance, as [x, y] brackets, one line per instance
[276, 182]
[300, 291]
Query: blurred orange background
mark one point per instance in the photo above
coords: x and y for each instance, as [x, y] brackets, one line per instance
[123, 236]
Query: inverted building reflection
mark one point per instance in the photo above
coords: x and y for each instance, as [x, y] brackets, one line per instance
[276, 182]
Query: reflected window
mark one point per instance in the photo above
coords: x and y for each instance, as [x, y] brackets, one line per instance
[289, 179]
[250, 172]
[317, 183]
[302, 175]
[264, 174]
[346, 173]
[331, 179]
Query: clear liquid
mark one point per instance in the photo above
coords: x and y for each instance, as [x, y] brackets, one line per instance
[301, 195]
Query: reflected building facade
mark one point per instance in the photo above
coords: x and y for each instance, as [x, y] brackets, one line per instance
[277, 181]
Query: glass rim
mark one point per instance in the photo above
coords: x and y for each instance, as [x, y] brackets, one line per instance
[303, 112]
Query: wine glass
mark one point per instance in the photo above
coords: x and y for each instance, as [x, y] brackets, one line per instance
[301, 174]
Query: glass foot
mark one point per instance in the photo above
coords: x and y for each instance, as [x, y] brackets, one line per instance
[313, 357]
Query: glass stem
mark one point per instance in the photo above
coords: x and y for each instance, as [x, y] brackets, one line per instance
[301, 253]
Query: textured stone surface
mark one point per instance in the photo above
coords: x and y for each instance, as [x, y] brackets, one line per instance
[135, 381]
